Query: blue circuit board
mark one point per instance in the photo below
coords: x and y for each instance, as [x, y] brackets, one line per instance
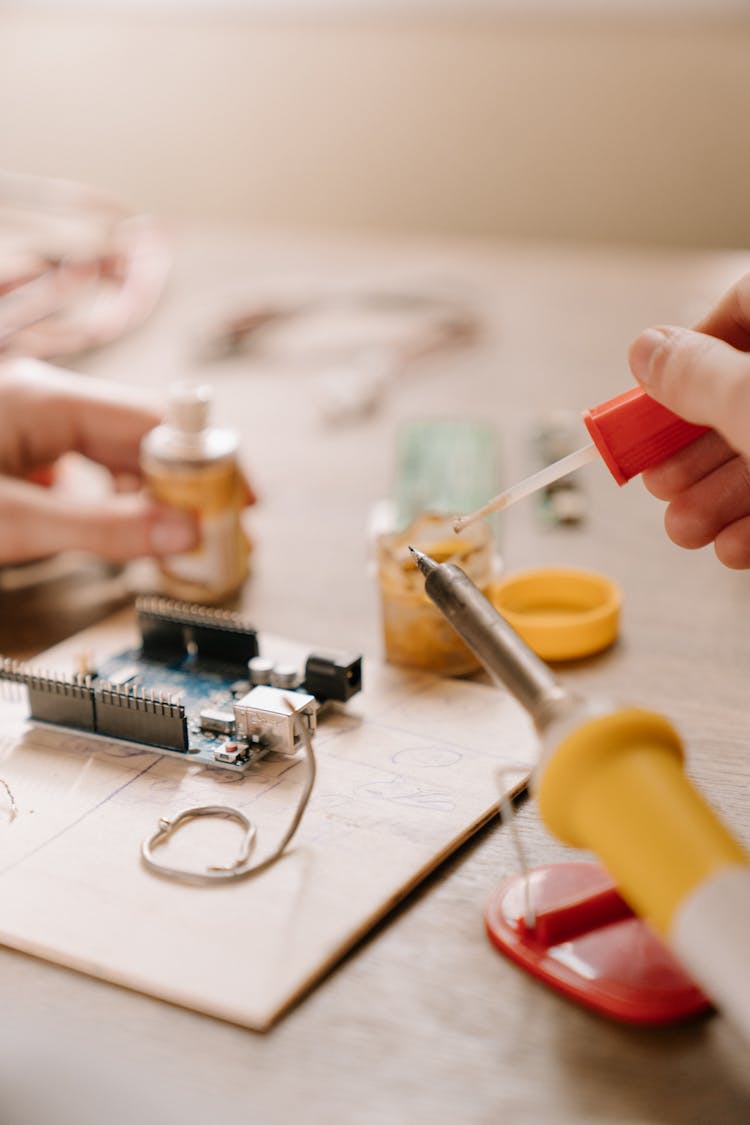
[190, 683]
[186, 690]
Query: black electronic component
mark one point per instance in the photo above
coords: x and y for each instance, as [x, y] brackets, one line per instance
[161, 638]
[225, 643]
[69, 702]
[333, 676]
[172, 630]
[139, 718]
[65, 702]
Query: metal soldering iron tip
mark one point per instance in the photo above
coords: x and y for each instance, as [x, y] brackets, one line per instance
[424, 562]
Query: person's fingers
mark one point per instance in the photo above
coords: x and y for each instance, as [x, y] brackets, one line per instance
[729, 320]
[686, 467]
[45, 412]
[696, 516]
[699, 377]
[732, 545]
[127, 482]
[35, 523]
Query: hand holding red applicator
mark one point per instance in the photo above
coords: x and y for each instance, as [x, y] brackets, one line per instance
[630, 432]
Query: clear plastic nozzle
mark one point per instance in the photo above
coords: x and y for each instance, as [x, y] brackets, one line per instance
[533, 483]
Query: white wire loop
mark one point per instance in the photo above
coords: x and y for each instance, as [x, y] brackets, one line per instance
[13, 806]
[242, 867]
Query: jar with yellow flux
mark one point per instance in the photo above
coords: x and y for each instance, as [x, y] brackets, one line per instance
[192, 465]
[415, 633]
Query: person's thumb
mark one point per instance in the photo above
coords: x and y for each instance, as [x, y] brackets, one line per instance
[697, 376]
[36, 522]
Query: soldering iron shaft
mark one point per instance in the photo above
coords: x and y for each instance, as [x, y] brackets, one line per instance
[499, 648]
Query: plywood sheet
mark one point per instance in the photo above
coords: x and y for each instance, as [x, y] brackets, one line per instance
[405, 774]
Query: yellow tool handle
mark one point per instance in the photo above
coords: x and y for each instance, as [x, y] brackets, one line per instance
[616, 786]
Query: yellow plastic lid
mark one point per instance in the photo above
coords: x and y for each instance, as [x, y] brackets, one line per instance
[561, 614]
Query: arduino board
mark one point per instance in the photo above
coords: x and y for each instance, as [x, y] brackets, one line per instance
[196, 687]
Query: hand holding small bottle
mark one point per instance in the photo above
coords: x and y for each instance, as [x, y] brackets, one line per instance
[47, 412]
[192, 466]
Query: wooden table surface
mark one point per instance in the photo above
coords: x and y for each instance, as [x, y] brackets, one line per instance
[424, 1022]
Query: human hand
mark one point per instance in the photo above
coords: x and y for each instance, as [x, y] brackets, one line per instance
[704, 376]
[45, 413]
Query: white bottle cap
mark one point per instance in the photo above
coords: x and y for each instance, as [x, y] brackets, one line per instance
[188, 407]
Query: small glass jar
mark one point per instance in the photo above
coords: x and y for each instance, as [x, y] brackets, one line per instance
[415, 633]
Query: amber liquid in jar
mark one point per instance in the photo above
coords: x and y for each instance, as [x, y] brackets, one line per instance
[415, 633]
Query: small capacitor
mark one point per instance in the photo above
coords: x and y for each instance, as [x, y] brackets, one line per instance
[285, 676]
[260, 670]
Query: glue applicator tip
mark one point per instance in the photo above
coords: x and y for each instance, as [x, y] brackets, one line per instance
[460, 523]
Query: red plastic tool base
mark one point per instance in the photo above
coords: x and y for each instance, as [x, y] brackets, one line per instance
[587, 943]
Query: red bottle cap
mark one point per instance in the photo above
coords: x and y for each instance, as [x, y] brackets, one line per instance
[633, 432]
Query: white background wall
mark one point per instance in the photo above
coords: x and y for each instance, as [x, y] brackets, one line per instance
[626, 128]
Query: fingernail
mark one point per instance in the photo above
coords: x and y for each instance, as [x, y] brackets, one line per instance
[172, 533]
[642, 352]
